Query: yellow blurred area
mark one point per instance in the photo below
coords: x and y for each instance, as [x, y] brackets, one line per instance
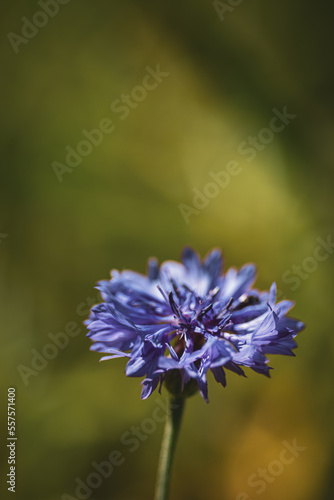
[193, 158]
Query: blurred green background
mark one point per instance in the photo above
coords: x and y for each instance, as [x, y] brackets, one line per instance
[228, 67]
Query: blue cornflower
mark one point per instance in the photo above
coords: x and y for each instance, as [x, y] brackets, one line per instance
[188, 318]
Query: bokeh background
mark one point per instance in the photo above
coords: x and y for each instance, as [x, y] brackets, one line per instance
[228, 67]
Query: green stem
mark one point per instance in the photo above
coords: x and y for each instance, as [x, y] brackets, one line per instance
[172, 427]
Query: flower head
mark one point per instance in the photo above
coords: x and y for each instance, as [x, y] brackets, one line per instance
[188, 318]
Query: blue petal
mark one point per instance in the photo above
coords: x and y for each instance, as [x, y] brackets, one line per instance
[236, 283]
[213, 264]
[190, 259]
[153, 269]
[219, 375]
